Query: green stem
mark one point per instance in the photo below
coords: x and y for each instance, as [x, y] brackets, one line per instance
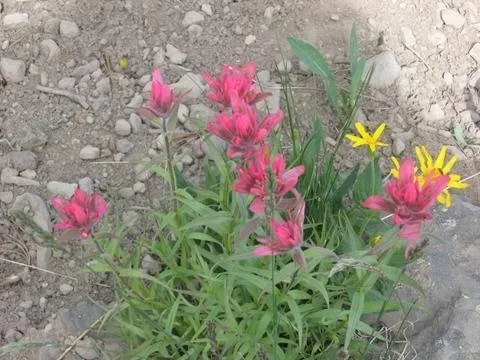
[275, 311]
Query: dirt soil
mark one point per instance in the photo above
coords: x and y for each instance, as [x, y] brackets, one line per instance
[75, 46]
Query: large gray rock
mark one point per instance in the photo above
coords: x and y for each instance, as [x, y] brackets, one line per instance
[385, 69]
[75, 320]
[14, 20]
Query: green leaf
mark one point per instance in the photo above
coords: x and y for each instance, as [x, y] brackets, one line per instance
[458, 132]
[315, 285]
[356, 310]
[315, 61]
[297, 317]
[311, 152]
[353, 53]
[344, 188]
[369, 182]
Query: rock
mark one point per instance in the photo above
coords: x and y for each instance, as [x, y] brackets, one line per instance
[192, 17]
[89, 152]
[77, 319]
[52, 26]
[269, 11]
[142, 170]
[189, 84]
[250, 39]
[67, 83]
[49, 49]
[139, 187]
[29, 174]
[175, 55]
[49, 352]
[404, 136]
[408, 37]
[86, 69]
[360, 117]
[263, 77]
[271, 103]
[452, 18]
[65, 190]
[207, 9]
[69, 29]
[22, 160]
[86, 349]
[150, 265]
[284, 66]
[44, 256]
[434, 114]
[12, 335]
[42, 302]
[66, 289]
[6, 197]
[12, 70]
[475, 52]
[27, 304]
[398, 147]
[126, 192]
[199, 115]
[124, 146]
[14, 20]
[182, 113]
[136, 101]
[385, 70]
[195, 30]
[10, 176]
[122, 127]
[448, 78]
[135, 122]
[86, 184]
[159, 58]
[129, 218]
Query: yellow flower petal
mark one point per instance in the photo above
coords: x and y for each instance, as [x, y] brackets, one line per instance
[428, 157]
[449, 165]
[361, 130]
[356, 140]
[379, 131]
[421, 159]
[441, 158]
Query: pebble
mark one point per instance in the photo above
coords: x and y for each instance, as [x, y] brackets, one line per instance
[76, 319]
[142, 170]
[129, 218]
[385, 70]
[207, 9]
[27, 304]
[263, 76]
[250, 39]
[123, 127]
[124, 146]
[42, 302]
[51, 26]
[86, 69]
[89, 152]
[187, 160]
[49, 49]
[48, 352]
[398, 147]
[136, 101]
[284, 66]
[437, 38]
[126, 192]
[195, 30]
[448, 78]
[12, 70]
[269, 11]
[182, 113]
[159, 58]
[404, 136]
[192, 17]
[62, 189]
[6, 197]
[86, 349]
[67, 83]
[14, 20]
[29, 174]
[452, 18]
[199, 114]
[86, 184]
[408, 37]
[189, 84]
[66, 289]
[12, 335]
[150, 265]
[175, 55]
[103, 85]
[139, 187]
[434, 114]
[22, 160]
[10, 176]
[135, 122]
[475, 52]
[69, 29]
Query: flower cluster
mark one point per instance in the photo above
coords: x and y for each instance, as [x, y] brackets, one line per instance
[259, 173]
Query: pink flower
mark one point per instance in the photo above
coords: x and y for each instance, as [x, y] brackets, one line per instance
[409, 202]
[234, 80]
[162, 98]
[254, 178]
[241, 129]
[286, 236]
[81, 212]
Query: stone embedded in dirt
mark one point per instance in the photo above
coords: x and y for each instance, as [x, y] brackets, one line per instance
[175, 55]
[66, 289]
[448, 78]
[199, 115]
[139, 187]
[69, 29]
[12, 70]
[195, 30]
[135, 122]
[86, 69]
[6, 197]
[22, 160]
[27, 304]
[452, 18]
[284, 66]
[86, 184]
[187, 160]
[404, 136]
[123, 127]
[10, 176]
[103, 85]
[150, 265]
[385, 70]
[207, 9]
[159, 58]
[271, 103]
[44, 256]
[398, 147]
[475, 52]
[49, 352]
[142, 170]
[12, 335]
[182, 113]
[52, 26]
[49, 49]
[86, 349]
[136, 101]
[269, 11]
[408, 37]
[89, 152]
[14, 20]
[192, 17]
[126, 192]
[124, 146]
[77, 319]
[62, 189]
[250, 39]
[67, 83]
[263, 76]
[434, 114]
[191, 85]
[29, 174]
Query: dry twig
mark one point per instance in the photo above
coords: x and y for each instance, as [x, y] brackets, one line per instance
[75, 98]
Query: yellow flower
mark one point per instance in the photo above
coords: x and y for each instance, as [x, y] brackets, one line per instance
[428, 167]
[365, 138]
[375, 240]
[396, 165]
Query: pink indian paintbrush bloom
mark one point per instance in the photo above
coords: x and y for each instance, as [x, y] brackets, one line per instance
[408, 201]
[162, 99]
[286, 236]
[234, 80]
[79, 213]
[253, 179]
[241, 129]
